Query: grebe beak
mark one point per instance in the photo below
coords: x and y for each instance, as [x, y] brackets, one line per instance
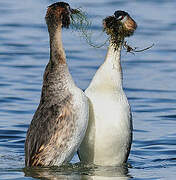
[74, 11]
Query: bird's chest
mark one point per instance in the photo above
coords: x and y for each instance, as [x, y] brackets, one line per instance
[111, 112]
[81, 111]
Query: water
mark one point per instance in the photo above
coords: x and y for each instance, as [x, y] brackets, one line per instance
[149, 82]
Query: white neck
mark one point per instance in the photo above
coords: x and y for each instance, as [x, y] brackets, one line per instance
[113, 57]
[109, 75]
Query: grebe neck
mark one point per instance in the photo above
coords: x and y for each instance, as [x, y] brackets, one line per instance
[113, 56]
[112, 64]
[109, 75]
[57, 53]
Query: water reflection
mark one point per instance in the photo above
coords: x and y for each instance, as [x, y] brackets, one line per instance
[78, 171]
[108, 173]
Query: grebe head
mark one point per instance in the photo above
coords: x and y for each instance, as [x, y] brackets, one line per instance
[126, 20]
[59, 14]
[119, 26]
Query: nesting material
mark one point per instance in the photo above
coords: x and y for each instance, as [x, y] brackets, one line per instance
[135, 49]
[80, 23]
[116, 30]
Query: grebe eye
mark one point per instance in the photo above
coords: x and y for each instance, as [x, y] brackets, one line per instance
[120, 17]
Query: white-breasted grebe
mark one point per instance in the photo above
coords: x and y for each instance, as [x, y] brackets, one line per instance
[60, 121]
[109, 135]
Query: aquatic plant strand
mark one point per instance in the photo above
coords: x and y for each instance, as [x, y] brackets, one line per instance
[133, 50]
[80, 23]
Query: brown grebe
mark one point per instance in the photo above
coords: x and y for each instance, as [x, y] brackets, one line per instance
[60, 121]
[109, 135]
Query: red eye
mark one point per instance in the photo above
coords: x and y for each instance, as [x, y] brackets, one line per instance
[120, 18]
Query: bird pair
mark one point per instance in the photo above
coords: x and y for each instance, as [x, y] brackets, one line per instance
[97, 123]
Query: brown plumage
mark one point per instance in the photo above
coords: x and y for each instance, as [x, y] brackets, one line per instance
[53, 136]
[54, 132]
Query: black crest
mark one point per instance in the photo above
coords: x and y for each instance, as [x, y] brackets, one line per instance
[120, 13]
[59, 4]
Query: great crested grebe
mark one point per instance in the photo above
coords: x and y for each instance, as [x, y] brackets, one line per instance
[60, 121]
[109, 134]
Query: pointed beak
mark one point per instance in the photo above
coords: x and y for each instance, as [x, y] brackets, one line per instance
[74, 11]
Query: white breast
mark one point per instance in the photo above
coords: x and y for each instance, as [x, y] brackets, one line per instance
[81, 107]
[110, 113]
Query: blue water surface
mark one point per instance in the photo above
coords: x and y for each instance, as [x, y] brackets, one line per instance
[149, 82]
